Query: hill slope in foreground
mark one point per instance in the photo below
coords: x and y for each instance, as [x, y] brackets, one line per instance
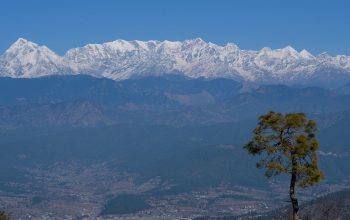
[332, 206]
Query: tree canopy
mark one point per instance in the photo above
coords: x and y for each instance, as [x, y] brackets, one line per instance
[4, 215]
[280, 140]
[286, 143]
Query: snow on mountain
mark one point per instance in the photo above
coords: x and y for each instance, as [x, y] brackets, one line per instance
[25, 59]
[194, 58]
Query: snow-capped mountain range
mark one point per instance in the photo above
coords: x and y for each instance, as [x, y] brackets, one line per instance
[194, 58]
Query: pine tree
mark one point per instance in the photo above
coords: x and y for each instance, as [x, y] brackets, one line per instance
[4, 215]
[287, 144]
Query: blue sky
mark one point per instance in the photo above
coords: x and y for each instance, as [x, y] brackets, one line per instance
[317, 26]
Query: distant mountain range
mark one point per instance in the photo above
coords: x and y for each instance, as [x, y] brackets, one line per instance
[120, 60]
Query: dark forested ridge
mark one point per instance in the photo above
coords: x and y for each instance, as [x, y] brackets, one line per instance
[83, 101]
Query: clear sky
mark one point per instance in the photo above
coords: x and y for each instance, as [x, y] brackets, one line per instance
[316, 25]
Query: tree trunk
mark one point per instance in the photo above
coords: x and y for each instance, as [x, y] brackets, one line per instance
[292, 195]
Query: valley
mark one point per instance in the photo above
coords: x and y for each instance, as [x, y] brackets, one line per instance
[75, 146]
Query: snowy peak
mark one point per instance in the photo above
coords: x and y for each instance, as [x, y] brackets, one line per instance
[121, 59]
[21, 42]
[283, 53]
[27, 59]
[305, 54]
[21, 47]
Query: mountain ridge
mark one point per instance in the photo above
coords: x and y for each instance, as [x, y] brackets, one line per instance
[121, 59]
